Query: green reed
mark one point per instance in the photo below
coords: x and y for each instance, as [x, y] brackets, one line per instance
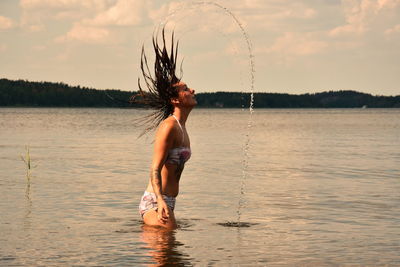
[28, 165]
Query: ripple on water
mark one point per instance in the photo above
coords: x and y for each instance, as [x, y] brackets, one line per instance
[237, 224]
[135, 225]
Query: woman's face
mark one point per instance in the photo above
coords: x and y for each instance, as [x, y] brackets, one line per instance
[185, 95]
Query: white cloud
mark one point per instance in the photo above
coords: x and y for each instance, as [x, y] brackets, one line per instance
[6, 23]
[394, 30]
[362, 15]
[36, 14]
[63, 4]
[123, 13]
[204, 18]
[86, 34]
[273, 15]
[292, 44]
[388, 3]
[97, 28]
[279, 9]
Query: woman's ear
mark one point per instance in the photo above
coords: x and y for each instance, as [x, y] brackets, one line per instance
[174, 100]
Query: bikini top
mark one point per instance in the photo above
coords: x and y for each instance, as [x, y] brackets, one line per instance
[179, 155]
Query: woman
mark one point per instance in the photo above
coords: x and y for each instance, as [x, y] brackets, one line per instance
[173, 101]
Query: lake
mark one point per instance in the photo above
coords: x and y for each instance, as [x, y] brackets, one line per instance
[320, 187]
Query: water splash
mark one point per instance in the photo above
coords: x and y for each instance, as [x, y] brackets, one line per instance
[246, 146]
[245, 162]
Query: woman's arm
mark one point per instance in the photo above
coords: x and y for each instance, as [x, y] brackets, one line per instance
[163, 143]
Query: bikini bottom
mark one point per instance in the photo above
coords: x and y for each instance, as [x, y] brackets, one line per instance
[149, 202]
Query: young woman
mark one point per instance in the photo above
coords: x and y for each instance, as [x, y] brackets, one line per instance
[173, 101]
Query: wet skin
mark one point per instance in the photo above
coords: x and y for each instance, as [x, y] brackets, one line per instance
[164, 177]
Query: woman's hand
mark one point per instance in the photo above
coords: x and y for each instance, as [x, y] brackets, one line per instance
[162, 210]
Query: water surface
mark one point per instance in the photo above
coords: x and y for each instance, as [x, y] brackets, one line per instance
[322, 188]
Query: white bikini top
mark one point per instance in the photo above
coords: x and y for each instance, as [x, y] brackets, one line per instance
[179, 155]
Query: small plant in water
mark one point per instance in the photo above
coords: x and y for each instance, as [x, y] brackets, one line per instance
[29, 167]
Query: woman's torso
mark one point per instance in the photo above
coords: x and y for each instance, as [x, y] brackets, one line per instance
[175, 161]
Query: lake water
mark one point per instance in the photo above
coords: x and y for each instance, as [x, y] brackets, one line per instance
[322, 188]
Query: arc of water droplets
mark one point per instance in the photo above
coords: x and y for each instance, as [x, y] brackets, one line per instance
[246, 146]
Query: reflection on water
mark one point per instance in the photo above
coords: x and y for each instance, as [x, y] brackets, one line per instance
[28, 209]
[163, 247]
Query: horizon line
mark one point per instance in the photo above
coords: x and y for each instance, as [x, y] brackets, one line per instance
[210, 92]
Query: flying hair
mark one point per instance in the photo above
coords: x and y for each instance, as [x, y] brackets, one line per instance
[159, 88]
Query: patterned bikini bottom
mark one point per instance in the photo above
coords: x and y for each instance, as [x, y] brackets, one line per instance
[149, 202]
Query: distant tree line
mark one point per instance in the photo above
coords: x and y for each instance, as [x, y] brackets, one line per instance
[47, 94]
[23, 93]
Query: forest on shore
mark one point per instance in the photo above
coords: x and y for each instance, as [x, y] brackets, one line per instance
[22, 93]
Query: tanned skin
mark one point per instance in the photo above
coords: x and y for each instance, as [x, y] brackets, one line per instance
[164, 177]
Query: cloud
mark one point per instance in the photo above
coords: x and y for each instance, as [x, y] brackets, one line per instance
[63, 4]
[100, 26]
[252, 14]
[122, 13]
[6, 23]
[279, 9]
[395, 29]
[388, 3]
[292, 44]
[86, 34]
[275, 15]
[36, 14]
[363, 15]
[181, 16]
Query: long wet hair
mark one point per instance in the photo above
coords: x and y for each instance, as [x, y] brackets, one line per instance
[159, 88]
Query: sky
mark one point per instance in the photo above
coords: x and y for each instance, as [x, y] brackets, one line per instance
[296, 47]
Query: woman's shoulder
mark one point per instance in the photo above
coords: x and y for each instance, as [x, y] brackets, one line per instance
[168, 125]
[169, 122]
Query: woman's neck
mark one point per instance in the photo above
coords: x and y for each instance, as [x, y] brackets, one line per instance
[181, 115]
